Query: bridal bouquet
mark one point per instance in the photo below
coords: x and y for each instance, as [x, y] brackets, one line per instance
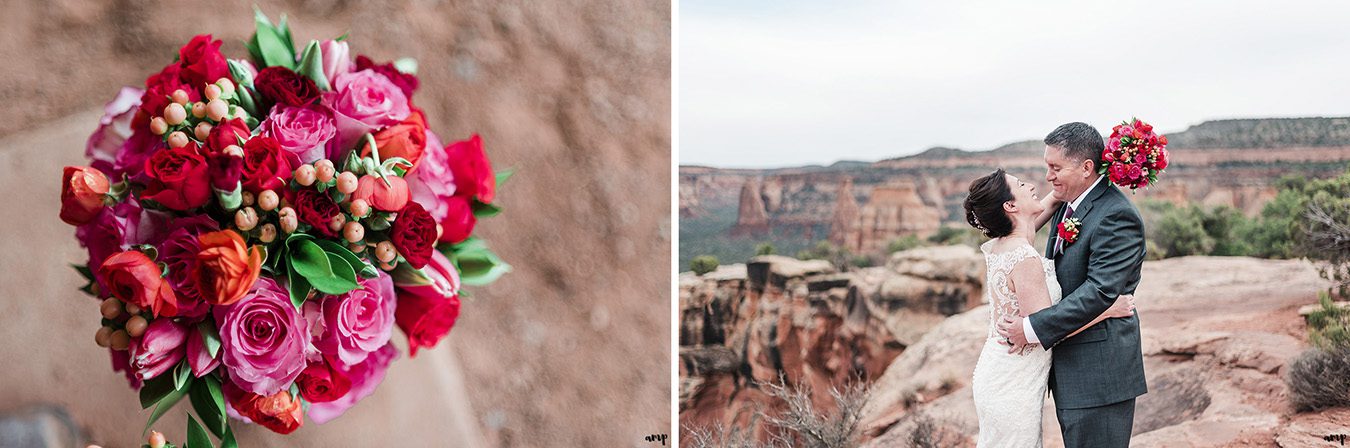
[1134, 155]
[257, 228]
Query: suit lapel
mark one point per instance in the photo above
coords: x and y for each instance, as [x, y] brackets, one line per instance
[1054, 231]
[1078, 213]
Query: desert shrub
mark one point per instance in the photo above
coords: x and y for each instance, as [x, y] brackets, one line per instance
[721, 436]
[1181, 232]
[765, 249]
[862, 261]
[903, 244]
[1152, 251]
[1319, 378]
[927, 433]
[951, 235]
[840, 257]
[1329, 327]
[805, 426]
[703, 264]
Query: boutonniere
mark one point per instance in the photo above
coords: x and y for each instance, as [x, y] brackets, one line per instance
[1068, 229]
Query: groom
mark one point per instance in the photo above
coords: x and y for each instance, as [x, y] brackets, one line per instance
[1095, 375]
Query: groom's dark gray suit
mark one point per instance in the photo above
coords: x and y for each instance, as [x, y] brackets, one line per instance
[1095, 375]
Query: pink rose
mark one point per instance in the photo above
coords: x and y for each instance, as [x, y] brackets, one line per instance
[337, 59]
[130, 159]
[159, 349]
[1135, 172]
[113, 129]
[438, 280]
[359, 321]
[433, 184]
[363, 102]
[365, 377]
[303, 131]
[263, 339]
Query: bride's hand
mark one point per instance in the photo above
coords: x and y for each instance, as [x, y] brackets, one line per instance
[1124, 307]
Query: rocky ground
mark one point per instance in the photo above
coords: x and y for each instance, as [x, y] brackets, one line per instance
[1218, 333]
[571, 349]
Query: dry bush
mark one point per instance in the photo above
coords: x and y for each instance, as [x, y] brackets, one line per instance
[1319, 379]
[800, 424]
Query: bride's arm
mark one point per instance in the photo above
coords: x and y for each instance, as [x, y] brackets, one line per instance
[1051, 206]
[1124, 307]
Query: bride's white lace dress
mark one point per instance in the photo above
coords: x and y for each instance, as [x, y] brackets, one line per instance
[1009, 389]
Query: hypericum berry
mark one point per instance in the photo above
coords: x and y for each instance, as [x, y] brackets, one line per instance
[359, 208]
[216, 109]
[133, 309]
[212, 92]
[180, 97]
[305, 175]
[199, 109]
[234, 150]
[136, 326]
[226, 85]
[385, 252]
[103, 337]
[246, 219]
[202, 131]
[158, 126]
[111, 308]
[174, 114]
[268, 200]
[356, 247]
[323, 168]
[353, 232]
[267, 233]
[120, 340]
[247, 199]
[156, 440]
[177, 139]
[337, 222]
[346, 182]
[289, 221]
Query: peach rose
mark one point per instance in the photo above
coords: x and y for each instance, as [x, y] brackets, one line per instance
[226, 268]
[82, 192]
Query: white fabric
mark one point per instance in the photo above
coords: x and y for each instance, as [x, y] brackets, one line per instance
[1009, 389]
[1026, 323]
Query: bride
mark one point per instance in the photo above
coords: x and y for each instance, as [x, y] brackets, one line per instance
[1010, 388]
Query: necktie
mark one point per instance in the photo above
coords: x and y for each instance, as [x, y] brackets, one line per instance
[1059, 241]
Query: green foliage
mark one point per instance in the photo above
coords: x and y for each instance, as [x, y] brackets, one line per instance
[703, 264]
[862, 261]
[765, 249]
[1329, 327]
[1181, 232]
[903, 244]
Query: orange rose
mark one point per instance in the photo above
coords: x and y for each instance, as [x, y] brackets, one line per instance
[226, 269]
[407, 139]
[82, 192]
[132, 277]
[279, 412]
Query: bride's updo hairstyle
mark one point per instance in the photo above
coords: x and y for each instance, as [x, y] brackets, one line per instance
[984, 204]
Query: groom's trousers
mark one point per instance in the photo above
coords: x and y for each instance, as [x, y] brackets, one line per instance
[1106, 426]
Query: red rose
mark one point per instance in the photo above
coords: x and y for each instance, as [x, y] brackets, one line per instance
[279, 412]
[266, 166]
[1161, 164]
[405, 81]
[82, 193]
[132, 277]
[280, 85]
[471, 169]
[425, 320]
[459, 220]
[178, 178]
[414, 234]
[158, 88]
[321, 383]
[225, 170]
[407, 139]
[318, 209]
[202, 62]
[228, 132]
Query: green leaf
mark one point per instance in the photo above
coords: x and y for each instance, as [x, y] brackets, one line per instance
[503, 175]
[155, 389]
[342, 37]
[246, 101]
[284, 30]
[360, 266]
[209, 403]
[481, 210]
[210, 337]
[196, 436]
[228, 440]
[84, 271]
[297, 285]
[181, 374]
[342, 279]
[477, 264]
[271, 43]
[240, 73]
[163, 406]
[309, 260]
[311, 65]
[406, 65]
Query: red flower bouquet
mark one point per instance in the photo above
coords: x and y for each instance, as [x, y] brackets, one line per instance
[258, 228]
[1134, 155]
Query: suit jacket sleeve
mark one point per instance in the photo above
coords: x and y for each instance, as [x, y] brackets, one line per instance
[1116, 253]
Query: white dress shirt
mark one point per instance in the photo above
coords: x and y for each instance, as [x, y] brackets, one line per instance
[1026, 322]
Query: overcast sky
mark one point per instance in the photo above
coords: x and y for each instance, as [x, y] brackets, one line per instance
[771, 83]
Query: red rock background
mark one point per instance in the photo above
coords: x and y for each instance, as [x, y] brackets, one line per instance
[571, 349]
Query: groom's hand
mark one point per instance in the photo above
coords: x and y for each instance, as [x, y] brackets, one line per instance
[1011, 330]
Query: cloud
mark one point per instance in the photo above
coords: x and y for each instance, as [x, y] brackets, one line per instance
[783, 84]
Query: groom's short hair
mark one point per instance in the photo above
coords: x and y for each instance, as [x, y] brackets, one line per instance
[1079, 141]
